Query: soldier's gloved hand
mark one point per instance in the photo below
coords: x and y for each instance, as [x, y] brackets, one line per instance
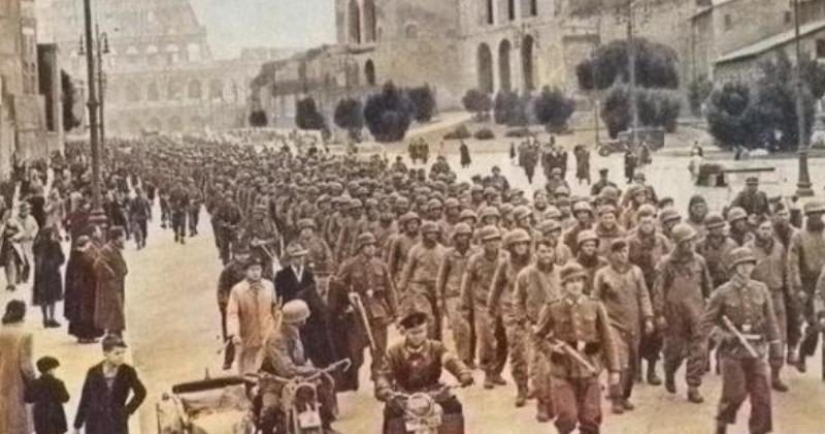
[466, 381]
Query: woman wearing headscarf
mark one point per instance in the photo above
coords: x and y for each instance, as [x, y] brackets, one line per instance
[48, 283]
[16, 370]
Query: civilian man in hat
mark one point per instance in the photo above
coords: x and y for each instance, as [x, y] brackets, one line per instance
[285, 356]
[682, 285]
[415, 365]
[105, 404]
[233, 273]
[110, 273]
[537, 285]
[294, 277]
[753, 201]
[747, 306]
[368, 277]
[250, 315]
[475, 290]
[417, 285]
[574, 330]
[806, 259]
[622, 290]
[448, 290]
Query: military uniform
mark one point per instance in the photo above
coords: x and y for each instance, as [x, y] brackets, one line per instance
[806, 259]
[370, 279]
[582, 323]
[417, 283]
[747, 304]
[179, 202]
[448, 289]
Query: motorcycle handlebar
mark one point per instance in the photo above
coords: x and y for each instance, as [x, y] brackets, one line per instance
[432, 393]
[344, 363]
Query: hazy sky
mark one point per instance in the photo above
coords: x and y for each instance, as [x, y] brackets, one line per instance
[234, 24]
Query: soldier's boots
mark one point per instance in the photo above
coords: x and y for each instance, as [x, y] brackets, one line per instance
[670, 382]
[499, 381]
[721, 428]
[776, 382]
[694, 395]
[628, 406]
[652, 377]
[543, 413]
[489, 383]
[521, 396]
[617, 407]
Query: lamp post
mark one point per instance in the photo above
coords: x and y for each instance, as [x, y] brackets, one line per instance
[803, 186]
[102, 44]
[98, 216]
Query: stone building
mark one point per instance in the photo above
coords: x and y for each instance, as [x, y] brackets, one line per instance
[25, 130]
[159, 73]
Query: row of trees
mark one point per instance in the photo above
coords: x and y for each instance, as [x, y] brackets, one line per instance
[551, 107]
[387, 114]
[764, 115]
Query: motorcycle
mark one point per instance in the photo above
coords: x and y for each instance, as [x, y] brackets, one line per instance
[299, 398]
[423, 414]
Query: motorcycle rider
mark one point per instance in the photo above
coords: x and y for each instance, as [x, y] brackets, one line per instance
[414, 365]
[285, 357]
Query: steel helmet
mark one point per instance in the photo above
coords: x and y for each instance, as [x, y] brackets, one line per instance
[548, 226]
[489, 211]
[582, 206]
[365, 239]
[714, 220]
[488, 233]
[295, 311]
[585, 236]
[683, 232]
[516, 236]
[736, 213]
[741, 255]
[430, 227]
[462, 229]
[521, 212]
[572, 270]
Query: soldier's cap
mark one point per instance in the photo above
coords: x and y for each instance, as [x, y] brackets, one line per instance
[646, 210]
[489, 211]
[741, 255]
[752, 180]
[488, 233]
[562, 191]
[365, 239]
[413, 319]
[608, 209]
[408, 217]
[572, 271]
[582, 206]
[736, 213]
[618, 244]
[552, 213]
[521, 212]
[506, 209]
[603, 171]
[683, 232]
[814, 207]
[516, 236]
[585, 236]
[462, 229]
[434, 203]
[714, 220]
[548, 226]
[490, 191]
[430, 227]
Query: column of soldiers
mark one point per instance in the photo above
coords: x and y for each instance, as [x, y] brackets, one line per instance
[562, 287]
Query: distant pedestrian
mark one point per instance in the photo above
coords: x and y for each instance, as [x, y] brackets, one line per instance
[110, 273]
[16, 370]
[48, 394]
[465, 155]
[103, 407]
[48, 283]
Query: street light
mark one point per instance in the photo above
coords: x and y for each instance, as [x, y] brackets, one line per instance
[97, 217]
[803, 186]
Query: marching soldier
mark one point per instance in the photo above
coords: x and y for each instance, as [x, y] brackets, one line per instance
[362, 320]
[753, 201]
[682, 285]
[475, 289]
[448, 289]
[502, 302]
[537, 285]
[583, 213]
[716, 248]
[575, 335]
[743, 309]
[418, 279]
[589, 258]
[622, 290]
[408, 226]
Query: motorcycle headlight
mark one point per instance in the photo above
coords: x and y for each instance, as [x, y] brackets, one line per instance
[305, 394]
[420, 405]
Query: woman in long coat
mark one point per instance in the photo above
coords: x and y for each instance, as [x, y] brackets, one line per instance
[110, 272]
[81, 291]
[48, 283]
[16, 368]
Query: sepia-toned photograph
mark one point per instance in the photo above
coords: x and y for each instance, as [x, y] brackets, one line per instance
[412, 216]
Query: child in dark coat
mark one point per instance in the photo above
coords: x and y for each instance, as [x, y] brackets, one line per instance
[48, 394]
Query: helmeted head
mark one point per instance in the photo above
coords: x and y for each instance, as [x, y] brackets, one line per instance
[295, 313]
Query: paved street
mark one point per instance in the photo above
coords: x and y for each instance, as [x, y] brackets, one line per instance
[173, 331]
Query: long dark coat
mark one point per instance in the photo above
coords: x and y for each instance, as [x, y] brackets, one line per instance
[110, 271]
[81, 294]
[48, 283]
[103, 410]
[48, 394]
[465, 155]
[315, 335]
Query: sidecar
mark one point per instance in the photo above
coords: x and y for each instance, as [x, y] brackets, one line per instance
[211, 406]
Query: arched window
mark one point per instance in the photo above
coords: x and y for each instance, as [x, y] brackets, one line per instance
[504, 65]
[354, 22]
[216, 89]
[411, 31]
[369, 72]
[369, 21]
[489, 12]
[485, 69]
